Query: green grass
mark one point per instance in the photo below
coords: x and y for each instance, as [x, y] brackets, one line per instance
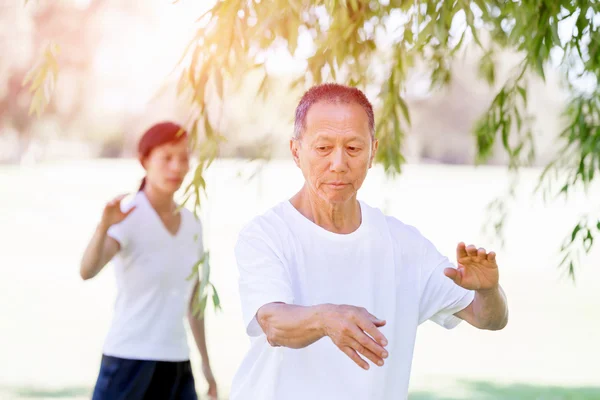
[75, 392]
[479, 390]
[482, 390]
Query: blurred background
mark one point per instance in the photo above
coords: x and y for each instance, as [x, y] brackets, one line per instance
[116, 78]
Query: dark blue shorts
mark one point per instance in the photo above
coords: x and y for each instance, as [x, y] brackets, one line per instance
[122, 378]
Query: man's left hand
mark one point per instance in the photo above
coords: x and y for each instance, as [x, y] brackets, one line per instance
[477, 269]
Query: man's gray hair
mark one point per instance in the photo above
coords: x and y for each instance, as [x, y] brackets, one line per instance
[332, 93]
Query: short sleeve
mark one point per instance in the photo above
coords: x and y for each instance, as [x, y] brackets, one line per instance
[121, 231]
[440, 297]
[263, 276]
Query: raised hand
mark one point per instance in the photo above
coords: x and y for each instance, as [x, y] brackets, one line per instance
[354, 330]
[477, 269]
[112, 213]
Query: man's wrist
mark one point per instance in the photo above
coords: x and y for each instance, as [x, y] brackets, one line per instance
[489, 291]
[320, 318]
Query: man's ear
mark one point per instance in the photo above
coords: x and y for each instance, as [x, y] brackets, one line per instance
[374, 148]
[294, 148]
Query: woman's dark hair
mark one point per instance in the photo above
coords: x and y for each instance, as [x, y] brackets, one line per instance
[157, 135]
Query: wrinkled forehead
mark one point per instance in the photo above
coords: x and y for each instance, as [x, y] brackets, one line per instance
[336, 118]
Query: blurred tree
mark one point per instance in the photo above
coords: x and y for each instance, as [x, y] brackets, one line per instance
[377, 44]
[52, 24]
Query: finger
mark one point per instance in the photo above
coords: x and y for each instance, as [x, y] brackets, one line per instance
[372, 329]
[491, 256]
[471, 250]
[116, 200]
[375, 359]
[119, 198]
[368, 340]
[379, 324]
[355, 357]
[461, 250]
[376, 321]
[481, 253]
[126, 213]
[453, 274]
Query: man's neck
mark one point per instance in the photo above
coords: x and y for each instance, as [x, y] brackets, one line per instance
[162, 202]
[342, 218]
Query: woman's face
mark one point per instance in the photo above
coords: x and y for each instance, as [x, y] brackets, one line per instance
[167, 165]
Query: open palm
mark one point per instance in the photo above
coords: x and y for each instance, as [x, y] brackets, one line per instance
[476, 269]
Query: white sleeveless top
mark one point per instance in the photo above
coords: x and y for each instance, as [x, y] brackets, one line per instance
[152, 291]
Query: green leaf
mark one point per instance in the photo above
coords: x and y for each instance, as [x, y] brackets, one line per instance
[404, 109]
[218, 76]
[194, 65]
[482, 7]
[208, 130]
[518, 117]
[588, 241]
[539, 65]
[292, 38]
[349, 31]
[523, 94]
[195, 269]
[330, 6]
[204, 279]
[575, 231]
[555, 37]
[505, 134]
[215, 298]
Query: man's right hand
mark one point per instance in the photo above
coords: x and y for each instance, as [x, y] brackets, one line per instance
[354, 330]
[112, 213]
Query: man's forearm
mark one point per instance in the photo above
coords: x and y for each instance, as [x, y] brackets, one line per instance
[290, 325]
[490, 309]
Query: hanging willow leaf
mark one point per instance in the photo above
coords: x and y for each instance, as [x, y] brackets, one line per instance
[42, 77]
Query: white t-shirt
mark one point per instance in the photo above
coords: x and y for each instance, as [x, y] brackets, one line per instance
[152, 291]
[385, 266]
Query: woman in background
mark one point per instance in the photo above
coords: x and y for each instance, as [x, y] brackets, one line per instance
[153, 248]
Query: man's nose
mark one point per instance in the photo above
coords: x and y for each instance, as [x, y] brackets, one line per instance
[339, 162]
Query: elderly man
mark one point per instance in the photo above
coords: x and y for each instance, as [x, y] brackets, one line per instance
[333, 290]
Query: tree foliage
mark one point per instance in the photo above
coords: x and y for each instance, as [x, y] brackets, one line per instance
[376, 44]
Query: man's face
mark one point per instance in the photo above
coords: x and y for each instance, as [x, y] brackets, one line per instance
[335, 150]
